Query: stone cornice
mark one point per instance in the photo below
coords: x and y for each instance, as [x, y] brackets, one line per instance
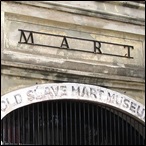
[74, 17]
[118, 11]
[130, 4]
[71, 72]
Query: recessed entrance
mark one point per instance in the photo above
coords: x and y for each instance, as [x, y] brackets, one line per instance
[70, 122]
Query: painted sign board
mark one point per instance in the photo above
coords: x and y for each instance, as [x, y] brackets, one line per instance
[73, 91]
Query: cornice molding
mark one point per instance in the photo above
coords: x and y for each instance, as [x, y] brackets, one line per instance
[112, 14]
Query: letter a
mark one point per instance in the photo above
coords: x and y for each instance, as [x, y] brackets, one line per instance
[64, 43]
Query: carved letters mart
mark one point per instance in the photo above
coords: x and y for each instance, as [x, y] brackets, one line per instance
[97, 45]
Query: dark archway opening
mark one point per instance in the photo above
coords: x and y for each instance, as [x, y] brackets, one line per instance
[69, 122]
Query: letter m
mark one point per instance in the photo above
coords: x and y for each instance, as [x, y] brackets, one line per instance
[25, 40]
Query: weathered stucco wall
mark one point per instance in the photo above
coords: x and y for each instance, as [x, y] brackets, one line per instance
[24, 65]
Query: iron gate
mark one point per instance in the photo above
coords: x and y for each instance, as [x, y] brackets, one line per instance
[68, 122]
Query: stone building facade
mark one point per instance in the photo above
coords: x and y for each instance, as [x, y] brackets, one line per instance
[97, 43]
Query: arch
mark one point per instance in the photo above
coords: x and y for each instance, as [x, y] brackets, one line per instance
[57, 91]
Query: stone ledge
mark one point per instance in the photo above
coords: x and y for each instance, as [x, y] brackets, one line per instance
[130, 4]
[105, 70]
[112, 14]
[75, 18]
[58, 71]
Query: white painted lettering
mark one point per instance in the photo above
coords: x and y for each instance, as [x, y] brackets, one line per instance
[55, 90]
[63, 91]
[75, 91]
[3, 105]
[85, 92]
[30, 95]
[18, 98]
[133, 107]
[93, 93]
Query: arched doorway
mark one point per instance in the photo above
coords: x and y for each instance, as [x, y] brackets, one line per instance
[71, 113]
[71, 122]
